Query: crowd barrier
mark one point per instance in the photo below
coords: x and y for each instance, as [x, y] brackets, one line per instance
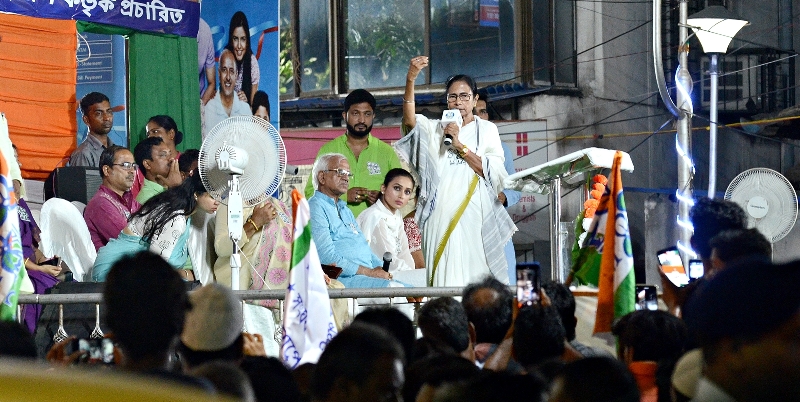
[586, 305]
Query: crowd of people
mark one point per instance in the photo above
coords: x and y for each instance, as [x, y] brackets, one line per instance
[736, 340]
[435, 219]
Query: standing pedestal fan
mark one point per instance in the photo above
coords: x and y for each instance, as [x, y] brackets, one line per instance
[769, 200]
[241, 163]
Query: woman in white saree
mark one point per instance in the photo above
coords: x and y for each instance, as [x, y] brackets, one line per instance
[464, 225]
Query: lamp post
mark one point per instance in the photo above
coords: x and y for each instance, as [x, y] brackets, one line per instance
[682, 110]
[715, 27]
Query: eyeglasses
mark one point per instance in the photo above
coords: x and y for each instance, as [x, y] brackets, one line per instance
[464, 97]
[341, 172]
[126, 165]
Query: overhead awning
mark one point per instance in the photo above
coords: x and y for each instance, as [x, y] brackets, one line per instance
[327, 103]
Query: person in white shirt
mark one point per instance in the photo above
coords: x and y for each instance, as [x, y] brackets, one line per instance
[382, 225]
[225, 103]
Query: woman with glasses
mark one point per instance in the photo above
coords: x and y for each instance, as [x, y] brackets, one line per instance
[464, 226]
[161, 226]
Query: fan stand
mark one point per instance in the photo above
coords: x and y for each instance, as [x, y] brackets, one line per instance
[235, 226]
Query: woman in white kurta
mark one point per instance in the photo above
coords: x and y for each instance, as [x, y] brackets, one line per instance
[464, 225]
[382, 225]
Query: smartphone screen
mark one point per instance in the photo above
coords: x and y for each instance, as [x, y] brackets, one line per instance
[672, 265]
[97, 350]
[646, 297]
[696, 269]
[528, 283]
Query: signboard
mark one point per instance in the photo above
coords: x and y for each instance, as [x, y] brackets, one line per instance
[490, 13]
[178, 17]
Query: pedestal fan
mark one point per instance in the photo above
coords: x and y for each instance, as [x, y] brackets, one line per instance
[769, 200]
[242, 162]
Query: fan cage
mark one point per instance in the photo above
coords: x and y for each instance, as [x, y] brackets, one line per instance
[266, 163]
[773, 186]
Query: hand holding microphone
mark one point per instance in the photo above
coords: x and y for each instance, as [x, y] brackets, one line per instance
[450, 116]
[387, 260]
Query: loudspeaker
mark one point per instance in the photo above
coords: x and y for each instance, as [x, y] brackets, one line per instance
[73, 183]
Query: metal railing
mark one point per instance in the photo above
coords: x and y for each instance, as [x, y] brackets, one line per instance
[78, 298]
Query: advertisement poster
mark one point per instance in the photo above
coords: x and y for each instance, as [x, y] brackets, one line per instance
[248, 29]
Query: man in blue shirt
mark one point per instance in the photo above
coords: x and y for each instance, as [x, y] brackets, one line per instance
[333, 226]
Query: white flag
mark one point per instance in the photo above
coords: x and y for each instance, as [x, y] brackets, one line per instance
[308, 323]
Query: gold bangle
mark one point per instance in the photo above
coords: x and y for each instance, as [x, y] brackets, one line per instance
[250, 221]
[408, 101]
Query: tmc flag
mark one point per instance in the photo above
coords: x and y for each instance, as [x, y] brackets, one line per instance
[11, 264]
[308, 323]
[606, 258]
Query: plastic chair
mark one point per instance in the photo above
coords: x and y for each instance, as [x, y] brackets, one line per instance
[65, 234]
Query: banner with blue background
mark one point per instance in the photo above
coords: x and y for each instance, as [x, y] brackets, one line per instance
[177, 17]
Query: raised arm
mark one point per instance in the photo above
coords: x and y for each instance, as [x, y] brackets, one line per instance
[409, 108]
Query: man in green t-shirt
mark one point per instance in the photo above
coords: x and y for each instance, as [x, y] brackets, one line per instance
[369, 157]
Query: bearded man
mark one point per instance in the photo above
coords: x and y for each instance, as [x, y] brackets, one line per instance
[369, 158]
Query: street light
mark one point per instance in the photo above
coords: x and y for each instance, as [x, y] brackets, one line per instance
[715, 27]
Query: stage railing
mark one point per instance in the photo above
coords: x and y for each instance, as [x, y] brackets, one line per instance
[78, 298]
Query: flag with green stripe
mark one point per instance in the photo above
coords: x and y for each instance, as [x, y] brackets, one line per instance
[11, 264]
[308, 323]
[606, 258]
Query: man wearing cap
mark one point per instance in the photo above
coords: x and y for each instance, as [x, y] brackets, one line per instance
[213, 328]
[748, 321]
[369, 157]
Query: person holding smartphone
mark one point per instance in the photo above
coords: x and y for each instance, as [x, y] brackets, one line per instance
[709, 217]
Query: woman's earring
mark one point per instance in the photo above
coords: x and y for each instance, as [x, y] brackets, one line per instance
[195, 196]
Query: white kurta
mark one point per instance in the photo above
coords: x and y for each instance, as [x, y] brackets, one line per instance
[464, 258]
[385, 232]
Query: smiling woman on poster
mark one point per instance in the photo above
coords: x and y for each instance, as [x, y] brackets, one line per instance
[464, 226]
[246, 63]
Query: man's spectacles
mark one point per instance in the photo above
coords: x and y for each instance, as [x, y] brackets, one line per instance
[126, 165]
[464, 97]
[341, 172]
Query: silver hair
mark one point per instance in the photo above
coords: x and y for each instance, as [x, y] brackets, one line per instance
[322, 164]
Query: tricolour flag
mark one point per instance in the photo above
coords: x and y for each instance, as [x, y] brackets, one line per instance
[611, 272]
[11, 264]
[308, 323]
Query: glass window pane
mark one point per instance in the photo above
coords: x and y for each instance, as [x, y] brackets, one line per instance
[286, 80]
[313, 44]
[541, 41]
[382, 36]
[565, 41]
[474, 37]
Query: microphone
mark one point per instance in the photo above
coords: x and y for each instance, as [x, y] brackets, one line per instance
[450, 116]
[387, 259]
